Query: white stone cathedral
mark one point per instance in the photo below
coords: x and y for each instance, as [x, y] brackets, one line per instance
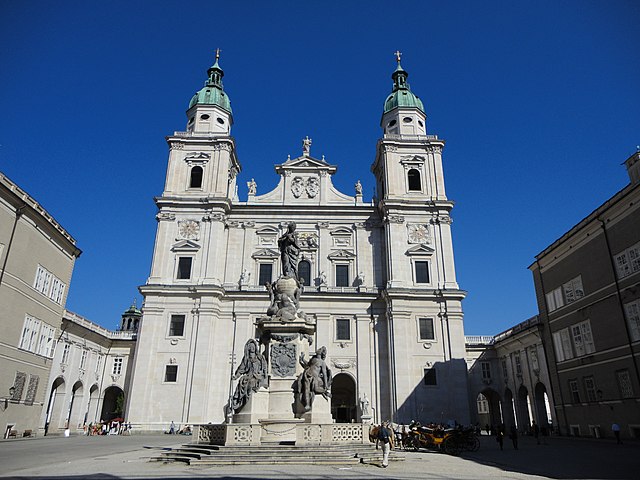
[379, 278]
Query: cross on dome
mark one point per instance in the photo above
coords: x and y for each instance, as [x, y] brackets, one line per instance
[398, 54]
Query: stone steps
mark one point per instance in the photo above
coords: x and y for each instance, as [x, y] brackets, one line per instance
[342, 455]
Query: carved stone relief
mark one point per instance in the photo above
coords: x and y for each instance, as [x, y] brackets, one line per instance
[297, 187]
[313, 187]
[189, 229]
[418, 233]
[283, 359]
[165, 216]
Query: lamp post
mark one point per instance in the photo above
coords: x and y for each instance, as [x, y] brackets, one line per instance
[12, 391]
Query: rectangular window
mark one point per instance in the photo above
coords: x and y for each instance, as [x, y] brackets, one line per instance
[562, 344]
[590, 389]
[83, 359]
[486, 370]
[505, 371]
[46, 345]
[628, 261]
[99, 363]
[171, 373]
[426, 329]
[582, 338]
[30, 333]
[554, 299]
[573, 290]
[184, 268]
[632, 310]
[66, 352]
[266, 273]
[57, 290]
[343, 329]
[27, 328]
[176, 326]
[430, 376]
[117, 366]
[516, 358]
[42, 281]
[573, 388]
[342, 275]
[624, 383]
[422, 272]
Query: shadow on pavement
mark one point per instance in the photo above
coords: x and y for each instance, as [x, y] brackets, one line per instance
[562, 458]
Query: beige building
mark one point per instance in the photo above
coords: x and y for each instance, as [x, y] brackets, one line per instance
[90, 373]
[587, 287]
[37, 257]
[509, 379]
[379, 276]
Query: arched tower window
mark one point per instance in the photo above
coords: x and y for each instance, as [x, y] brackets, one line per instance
[196, 177]
[413, 176]
[304, 272]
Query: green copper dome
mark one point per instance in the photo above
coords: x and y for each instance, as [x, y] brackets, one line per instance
[401, 96]
[212, 93]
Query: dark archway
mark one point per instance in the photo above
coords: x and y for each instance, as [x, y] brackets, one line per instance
[112, 404]
[55, 418]
[523, 417]
[196, 177]
[76, 414]
[543, 409]
[493, 415]
[92, 407]
[508, 409]
[343, 399]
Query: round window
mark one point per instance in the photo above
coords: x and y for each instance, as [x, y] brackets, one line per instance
[204, 117]
[392, 123]
[407, 119]
[220, 121]
[420, 123]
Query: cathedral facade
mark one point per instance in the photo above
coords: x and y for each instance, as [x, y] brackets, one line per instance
[379, 277]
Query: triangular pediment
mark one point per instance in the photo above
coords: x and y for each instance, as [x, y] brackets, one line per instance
[185, 246]
[266, 253]
[419, 250]
[341, 255]
[306, 164]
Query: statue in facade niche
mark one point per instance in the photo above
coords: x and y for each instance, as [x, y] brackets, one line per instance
[289, 252]
[252, 373]
[358, 187]
[316, 379]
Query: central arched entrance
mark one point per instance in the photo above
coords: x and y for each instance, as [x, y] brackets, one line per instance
[112, 404]
[343, 399]
[56, 415]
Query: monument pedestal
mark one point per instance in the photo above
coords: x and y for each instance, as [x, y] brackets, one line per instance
[320, 411]
[257, 407]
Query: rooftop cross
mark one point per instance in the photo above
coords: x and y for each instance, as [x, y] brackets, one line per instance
[217, 53]
[398, 54]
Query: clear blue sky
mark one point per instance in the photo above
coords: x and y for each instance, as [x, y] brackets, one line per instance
[539, 103]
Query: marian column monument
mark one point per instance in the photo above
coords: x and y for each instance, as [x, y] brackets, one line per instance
[279, 384]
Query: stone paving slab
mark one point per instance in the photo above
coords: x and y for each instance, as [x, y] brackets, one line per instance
[98, 458]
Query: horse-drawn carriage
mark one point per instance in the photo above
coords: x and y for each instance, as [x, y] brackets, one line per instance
[433, 437]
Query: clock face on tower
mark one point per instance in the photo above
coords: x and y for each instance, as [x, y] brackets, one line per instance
[189, 229]
[418, 233]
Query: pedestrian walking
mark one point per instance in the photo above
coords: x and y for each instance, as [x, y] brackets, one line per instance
[385, 436]
[616, 431]
[172, 428]
[513, 435]
[535, 429]
[500, 437]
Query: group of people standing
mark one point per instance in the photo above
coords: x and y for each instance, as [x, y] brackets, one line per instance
[500, 433]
